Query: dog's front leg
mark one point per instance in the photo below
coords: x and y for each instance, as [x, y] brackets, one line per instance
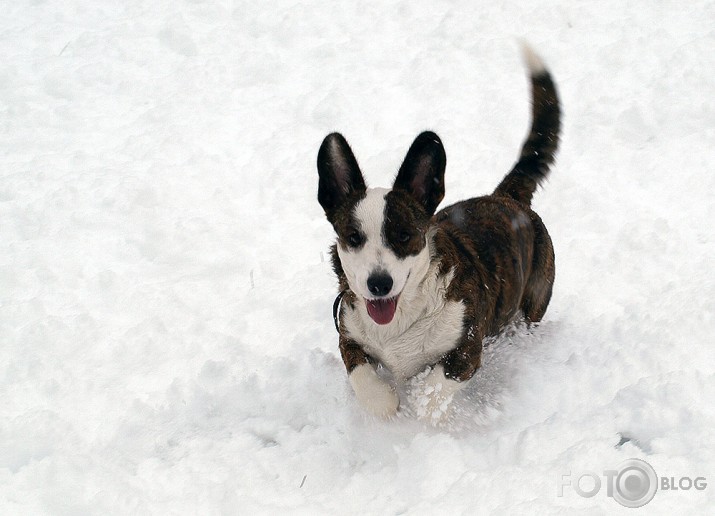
[462, 362]
[438, 386]
[432, 393]
[374, 394]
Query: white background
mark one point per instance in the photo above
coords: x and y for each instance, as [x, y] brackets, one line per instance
[166, 340]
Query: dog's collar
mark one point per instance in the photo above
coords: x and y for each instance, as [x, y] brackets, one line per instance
[336, 310]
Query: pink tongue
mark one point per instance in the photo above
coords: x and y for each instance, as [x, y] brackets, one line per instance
[381, 310]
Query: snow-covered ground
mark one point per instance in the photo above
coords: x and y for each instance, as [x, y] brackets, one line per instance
[166, 340]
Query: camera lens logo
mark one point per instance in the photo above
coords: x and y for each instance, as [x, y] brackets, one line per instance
[635, 483]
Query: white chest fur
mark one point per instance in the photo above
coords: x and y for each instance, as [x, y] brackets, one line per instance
[425, 327]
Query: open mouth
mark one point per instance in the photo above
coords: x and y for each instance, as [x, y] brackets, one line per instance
[382, 310]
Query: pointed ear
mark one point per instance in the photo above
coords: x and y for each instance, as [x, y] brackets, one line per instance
[339, 174]
[422, 173]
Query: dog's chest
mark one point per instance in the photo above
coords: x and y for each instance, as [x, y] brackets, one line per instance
[426, 328]
[423, 344]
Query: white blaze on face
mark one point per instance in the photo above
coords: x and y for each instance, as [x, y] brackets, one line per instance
[374, 255]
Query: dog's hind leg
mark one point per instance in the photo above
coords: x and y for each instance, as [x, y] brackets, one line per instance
[541, 279]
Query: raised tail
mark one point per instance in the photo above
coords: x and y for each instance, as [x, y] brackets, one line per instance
[538, 151]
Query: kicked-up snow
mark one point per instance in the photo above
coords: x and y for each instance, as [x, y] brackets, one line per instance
[166, 339]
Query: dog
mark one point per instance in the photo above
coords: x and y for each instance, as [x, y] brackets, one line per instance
[421, 291]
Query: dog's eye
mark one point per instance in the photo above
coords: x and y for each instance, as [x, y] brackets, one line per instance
[354, 239]
[404, 236]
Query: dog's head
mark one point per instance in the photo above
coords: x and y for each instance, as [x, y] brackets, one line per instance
[382, 234]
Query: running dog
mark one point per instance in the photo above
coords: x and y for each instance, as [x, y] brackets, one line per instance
[421, 290]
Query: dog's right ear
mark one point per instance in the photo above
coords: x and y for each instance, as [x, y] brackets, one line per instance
[339, 174]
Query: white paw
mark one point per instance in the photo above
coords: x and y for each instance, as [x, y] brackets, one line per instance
[432, 394]
[372, 392]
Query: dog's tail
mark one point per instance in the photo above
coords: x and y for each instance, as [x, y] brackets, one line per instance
[538, 151]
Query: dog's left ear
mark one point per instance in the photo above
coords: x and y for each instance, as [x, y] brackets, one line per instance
[422, 173]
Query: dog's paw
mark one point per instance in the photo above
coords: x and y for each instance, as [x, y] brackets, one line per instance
[374, 394]
[432, 394]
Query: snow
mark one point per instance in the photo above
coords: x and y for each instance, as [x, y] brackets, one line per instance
[167, 345]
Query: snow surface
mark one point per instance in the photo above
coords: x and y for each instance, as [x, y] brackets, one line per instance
[167, 345]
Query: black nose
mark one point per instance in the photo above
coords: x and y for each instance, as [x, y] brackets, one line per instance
[379, 283]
